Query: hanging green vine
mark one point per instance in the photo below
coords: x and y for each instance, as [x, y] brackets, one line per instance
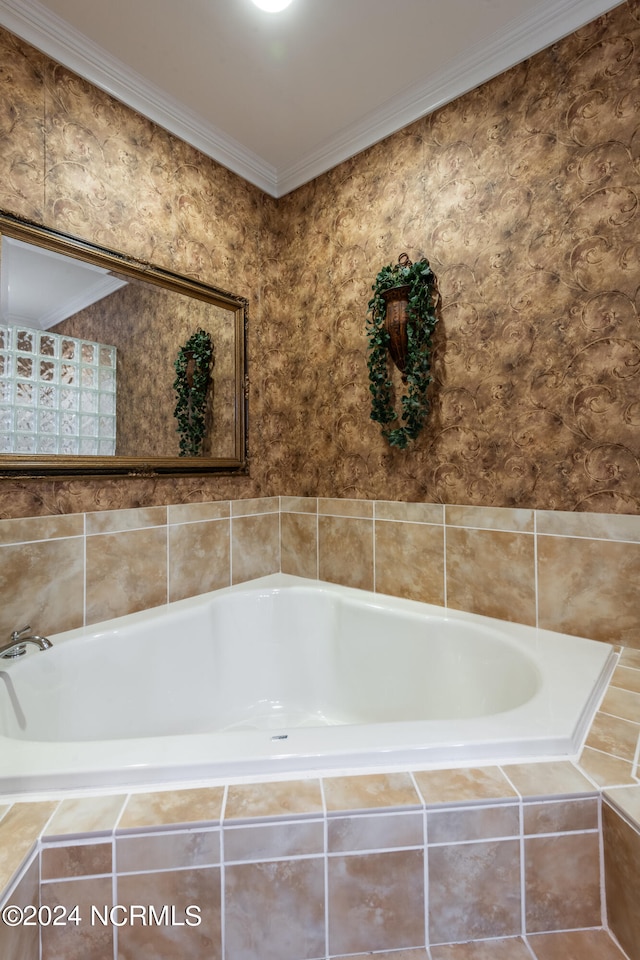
[421, 321]
[193, 376]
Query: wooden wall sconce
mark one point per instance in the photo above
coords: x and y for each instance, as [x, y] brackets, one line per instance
[401, 324]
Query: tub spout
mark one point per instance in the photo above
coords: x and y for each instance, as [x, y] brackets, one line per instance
[16, 646]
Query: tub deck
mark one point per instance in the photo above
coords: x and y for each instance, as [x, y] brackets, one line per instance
[361, 820]
[362, 719]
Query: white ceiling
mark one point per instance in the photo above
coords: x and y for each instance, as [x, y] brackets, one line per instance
[280, 98]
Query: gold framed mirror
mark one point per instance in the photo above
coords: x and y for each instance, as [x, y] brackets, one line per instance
[89, 340]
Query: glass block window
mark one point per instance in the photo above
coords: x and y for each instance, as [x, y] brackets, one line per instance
[57, 394]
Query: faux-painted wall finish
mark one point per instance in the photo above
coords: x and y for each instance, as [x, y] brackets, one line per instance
[523, 194]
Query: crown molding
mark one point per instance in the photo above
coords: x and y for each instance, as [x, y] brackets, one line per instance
[525, 37]
[32, 22]
[549, 22]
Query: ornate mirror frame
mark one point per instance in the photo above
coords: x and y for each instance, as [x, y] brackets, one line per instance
[60, 465]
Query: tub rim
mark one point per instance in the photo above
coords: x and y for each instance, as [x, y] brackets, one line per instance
[556, 732]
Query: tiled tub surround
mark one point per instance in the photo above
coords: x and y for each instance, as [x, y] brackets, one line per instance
[310, 537]
[578, 572]
[464, 864]
[573, 573]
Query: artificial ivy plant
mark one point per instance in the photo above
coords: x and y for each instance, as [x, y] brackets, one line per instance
[421, 298]
[193, 376]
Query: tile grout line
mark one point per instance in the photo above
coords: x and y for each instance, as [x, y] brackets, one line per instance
[444, 560]
[536, 590]
[317, 540]
[325, 858]
[373, 545]
[603, 889]
[223, 901]
[168, 560]
[523, 877]
[84, 570]
[114, 879]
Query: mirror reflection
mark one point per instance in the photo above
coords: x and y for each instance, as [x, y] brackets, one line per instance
[89, 342]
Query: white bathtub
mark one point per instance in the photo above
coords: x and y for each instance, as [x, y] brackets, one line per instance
[288, 676]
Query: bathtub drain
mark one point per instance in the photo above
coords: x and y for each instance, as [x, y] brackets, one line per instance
[280, 736]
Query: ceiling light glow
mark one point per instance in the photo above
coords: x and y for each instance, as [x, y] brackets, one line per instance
[272, 6]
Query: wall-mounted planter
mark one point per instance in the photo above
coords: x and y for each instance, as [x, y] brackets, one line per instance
[395, 323]
[401, 324]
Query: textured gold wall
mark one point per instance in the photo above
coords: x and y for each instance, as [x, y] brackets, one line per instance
[74, 159]
[523, 195]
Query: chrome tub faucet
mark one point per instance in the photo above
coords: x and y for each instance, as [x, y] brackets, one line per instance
[17, 645]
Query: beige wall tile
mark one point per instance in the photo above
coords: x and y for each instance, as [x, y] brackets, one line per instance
[557, 777]
[376, 901]
[19, 829]
[78, 816]
[168, 851]
[199, 558]
[584, 588]
[42, 584]
[180, 889]
[491, 573]
[252, 507]
[284, 798]
[631, 658]
[409, 560]
[375, 832]
[614, 736]
[605, 526]
[627, 677]
[41, 528]
[274, 840]
[490, 518]
[275, 910]
[621, 703]
[561, 817]
[412, 512]
[562, 882]
[606, 770]
[346, 551]
[112, 521]
[477, 823]
[369, 792]
[463, 785]
[474, 891]
[22, 942]
[626, 799]
[167, 807]
[255, 546]
[126, 572]
[299, 546]
[76, 860]
[193, 512]
[622, 879]
[299, 505]
[344, 507]
[85, 939]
